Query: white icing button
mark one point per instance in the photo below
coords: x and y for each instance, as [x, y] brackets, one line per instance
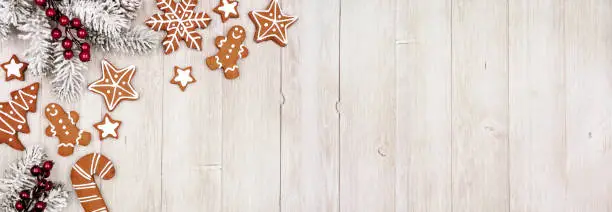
[60, 121]
[19, 126]
[67, 133]
[64, 127]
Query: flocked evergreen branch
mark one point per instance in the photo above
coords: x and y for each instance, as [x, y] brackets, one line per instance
[131, 6]
[17, 178]
[40, 52]
[137, 40]
[104, 17]
[68, 81]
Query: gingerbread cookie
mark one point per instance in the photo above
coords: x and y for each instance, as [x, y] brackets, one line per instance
[227, 9]
[180, 21]
[108, 127]
[272, 24]
[115, 85]
[230, 50]
[13, 115]
[82, 178]
[63, 126]
[14, 69]
[182, 77]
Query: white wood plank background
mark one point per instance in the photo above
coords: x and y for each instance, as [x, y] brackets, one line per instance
[387, 105]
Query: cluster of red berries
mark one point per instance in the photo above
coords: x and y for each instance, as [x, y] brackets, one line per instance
[30, 200]
[71, 27]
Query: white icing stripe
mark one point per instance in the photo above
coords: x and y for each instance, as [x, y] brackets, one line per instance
[89, 200]
[93, 162]
[65, 145]
[83, 174]
[84, 184]
[94, 165]
[88, 197]
[217, 61]
[76, 141]
[87, 187]
[106, 169]
[99, 209]
[19, 119]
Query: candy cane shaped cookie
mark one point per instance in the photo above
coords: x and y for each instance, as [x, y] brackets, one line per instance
[83, 181]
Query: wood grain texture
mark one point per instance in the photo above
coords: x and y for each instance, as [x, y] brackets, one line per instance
[309, 130]
[391, 105]
[589, 106]
[423, 106]
[480, 105]
[537, 106]
[367, 106]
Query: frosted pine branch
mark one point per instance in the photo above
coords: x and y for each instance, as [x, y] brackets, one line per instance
[17, 178]
[138, 40]
[131, 7]
[68, 81]
[40, 52]
[103, 17]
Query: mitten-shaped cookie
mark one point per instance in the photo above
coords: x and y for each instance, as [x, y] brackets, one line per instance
[230, 50]
[63, 126]
[82, 177]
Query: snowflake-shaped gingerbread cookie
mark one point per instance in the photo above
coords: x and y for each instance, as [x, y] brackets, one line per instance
[180, 21]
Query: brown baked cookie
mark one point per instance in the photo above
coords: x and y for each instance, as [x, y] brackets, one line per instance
[82, 177]
[13, 115]
[230, 50]
[108, 127]
[63, 126]
[272, 24]
[227, 9]
[14, 69]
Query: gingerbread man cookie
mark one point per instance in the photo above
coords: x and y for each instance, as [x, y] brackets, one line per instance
[230, 50]
[63, 126]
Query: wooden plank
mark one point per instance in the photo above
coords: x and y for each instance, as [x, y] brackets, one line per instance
[137, 154]
[537, 106]
[192, 147]
[480, 105]
[368, 103]
[423, 106]
[309, 131]
[589, 107]
[251, 123]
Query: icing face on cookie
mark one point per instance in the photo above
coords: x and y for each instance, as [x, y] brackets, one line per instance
[53, 110]
[237, 32]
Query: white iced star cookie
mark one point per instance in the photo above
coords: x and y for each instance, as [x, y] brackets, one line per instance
[182, 77]
[108, 127]
[14, 69]
[227, 9]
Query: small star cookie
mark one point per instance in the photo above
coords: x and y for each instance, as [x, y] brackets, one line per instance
[115, 85]
[272, 24]
[14, 69]
[108, 127]
[182, 77]
[227, 9]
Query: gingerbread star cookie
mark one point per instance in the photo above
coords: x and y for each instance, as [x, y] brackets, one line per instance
[272, 24]
[115, 85]
[182, 77]
[227, 9]
[231, 48]
[14, 69]
[180, 21]
[108, 127]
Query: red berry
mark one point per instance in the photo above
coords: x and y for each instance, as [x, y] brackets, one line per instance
[76, 23]
[84, 56]
[85, 47]
[40, 2]
[40, 206]
[56, 33]
[36, 170]
[42, 183]
[63, 20]
[82, 33]
[67, 43]
[68, 54]
[25, 194]
[49, 186]
[50, 12]
[47, 165]
[46, 174]
[19, 205]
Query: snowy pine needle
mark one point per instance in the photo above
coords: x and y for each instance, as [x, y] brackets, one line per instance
[103, 17]
[17, 177]
[138, 40]
[40, 52]
[68, 81]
